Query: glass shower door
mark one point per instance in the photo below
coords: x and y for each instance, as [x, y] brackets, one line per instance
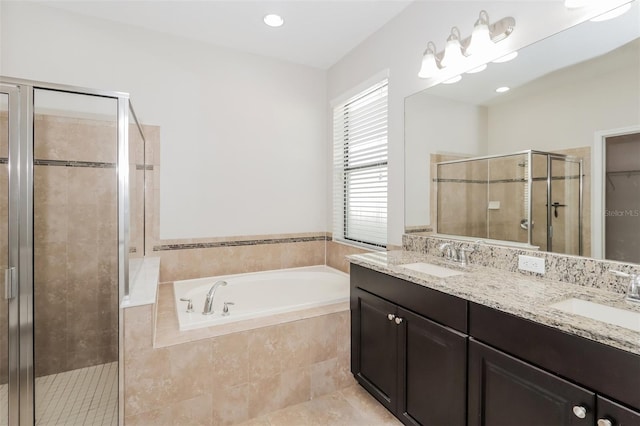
[564, 206]
[75, 251]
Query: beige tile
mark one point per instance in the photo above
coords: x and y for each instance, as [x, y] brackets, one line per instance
[264, 353]
[230, 405]
[193, 412]
[279, 391]
[190, 368]
[230, 359]
[323, 344]
[324, 377]
[294, 344]
[148, 381]
[364, 403]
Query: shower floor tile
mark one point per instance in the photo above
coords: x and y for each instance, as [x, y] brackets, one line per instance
[87, 396]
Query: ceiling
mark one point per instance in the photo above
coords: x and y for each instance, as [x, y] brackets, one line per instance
[315, 33]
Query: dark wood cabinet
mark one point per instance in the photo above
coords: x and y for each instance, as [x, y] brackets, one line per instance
[435, 359]
[611, 413]
[432, 380]
[414, 366]
[505, 391]
[376, 338]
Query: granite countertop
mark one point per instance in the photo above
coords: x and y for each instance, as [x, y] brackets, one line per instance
[514, 293]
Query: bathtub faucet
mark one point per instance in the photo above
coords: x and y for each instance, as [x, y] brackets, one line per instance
[208, 303]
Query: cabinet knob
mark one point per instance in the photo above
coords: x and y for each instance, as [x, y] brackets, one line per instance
[390, 317]
[398, 320]
[604, 422]
[579, 411]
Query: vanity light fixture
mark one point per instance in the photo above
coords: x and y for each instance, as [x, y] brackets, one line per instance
[273, 20]
[480, 42]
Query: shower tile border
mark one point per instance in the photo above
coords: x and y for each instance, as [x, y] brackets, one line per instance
[75, 163]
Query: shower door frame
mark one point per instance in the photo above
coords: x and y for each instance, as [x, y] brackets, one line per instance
[10, 294]
[21, 389]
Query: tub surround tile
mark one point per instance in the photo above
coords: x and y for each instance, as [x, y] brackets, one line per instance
[247, 374]
[525, 296]
[337, 253]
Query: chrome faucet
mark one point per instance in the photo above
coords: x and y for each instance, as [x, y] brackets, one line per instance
[208, 303]
[448, 251]
[633, 292]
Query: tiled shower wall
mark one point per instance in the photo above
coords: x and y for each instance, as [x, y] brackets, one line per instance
[75, 250]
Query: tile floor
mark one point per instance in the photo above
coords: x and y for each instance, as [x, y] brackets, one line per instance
[351, 406]
[87, 396]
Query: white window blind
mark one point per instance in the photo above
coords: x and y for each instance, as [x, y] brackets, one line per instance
[360, 168]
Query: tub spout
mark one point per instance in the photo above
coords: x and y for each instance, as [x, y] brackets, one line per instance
[208, 303]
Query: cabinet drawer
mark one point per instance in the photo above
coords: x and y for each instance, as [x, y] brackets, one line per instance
[616, 413]
[506, 391]
[612, 372]
[440, 307]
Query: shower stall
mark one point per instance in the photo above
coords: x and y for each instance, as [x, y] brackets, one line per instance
[528, 197]
[64, 216]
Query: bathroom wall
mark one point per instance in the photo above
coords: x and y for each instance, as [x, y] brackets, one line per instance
[75, 243]
[398, 47]
[243, 136]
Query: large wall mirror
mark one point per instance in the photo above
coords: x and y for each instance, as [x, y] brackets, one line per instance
[574, 95]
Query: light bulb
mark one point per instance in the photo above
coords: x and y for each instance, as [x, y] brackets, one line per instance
[480, 37]
[273, 20]
[453, 50]
[429, 66]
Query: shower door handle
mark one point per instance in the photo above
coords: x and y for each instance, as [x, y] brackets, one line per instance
[9, 283]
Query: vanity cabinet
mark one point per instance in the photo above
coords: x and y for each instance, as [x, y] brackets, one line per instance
[414, 366]
[505, 391]
[435, 359]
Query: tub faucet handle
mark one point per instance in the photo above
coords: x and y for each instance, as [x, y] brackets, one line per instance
[189, 304]
[225, 308]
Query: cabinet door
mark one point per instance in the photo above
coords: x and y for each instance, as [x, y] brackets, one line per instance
[616, 414]
[504, 391]
[433, 372]
[375, 337]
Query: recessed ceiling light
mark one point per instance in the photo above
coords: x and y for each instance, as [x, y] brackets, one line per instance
[503, 89]
[273, 20]
[452, 80]
[506, 58]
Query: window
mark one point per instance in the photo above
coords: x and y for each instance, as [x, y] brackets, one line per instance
[360, 168]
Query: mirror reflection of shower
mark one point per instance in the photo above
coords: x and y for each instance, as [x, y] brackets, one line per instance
[622, 198]
[529, 197]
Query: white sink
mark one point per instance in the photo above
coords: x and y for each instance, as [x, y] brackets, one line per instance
[596, 311]
[435, 270]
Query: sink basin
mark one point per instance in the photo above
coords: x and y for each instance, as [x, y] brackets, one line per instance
[596, 311]
[435, 270]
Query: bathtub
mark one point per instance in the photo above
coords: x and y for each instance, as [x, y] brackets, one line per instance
[261, 294]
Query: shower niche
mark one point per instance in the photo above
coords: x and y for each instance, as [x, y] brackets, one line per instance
[531, 198]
